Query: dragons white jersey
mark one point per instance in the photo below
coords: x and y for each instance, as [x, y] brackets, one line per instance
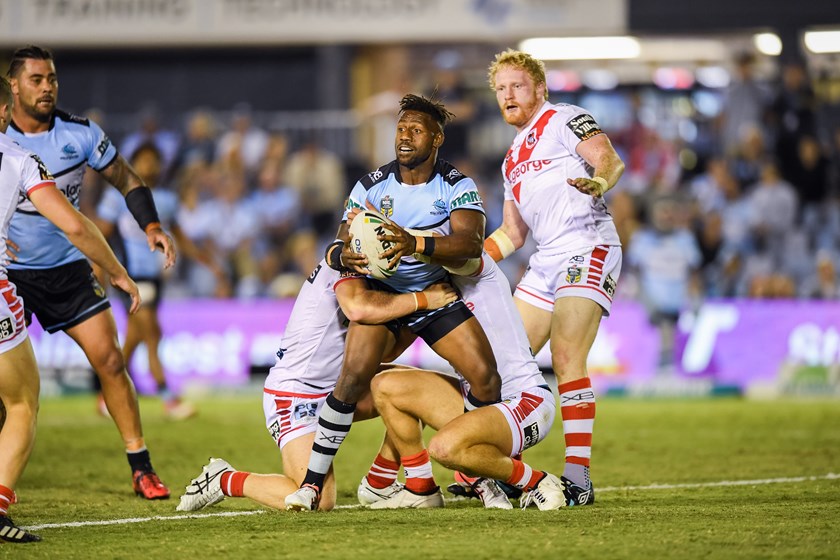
[535, 169]
[312, 349]
[21, 172]
[487, 295]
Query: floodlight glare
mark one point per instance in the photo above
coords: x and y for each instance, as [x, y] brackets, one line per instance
[581, 48]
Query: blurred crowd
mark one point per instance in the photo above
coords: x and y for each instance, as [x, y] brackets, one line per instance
[748, 205]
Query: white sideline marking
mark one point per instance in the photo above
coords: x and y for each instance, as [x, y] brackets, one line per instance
[760, 481]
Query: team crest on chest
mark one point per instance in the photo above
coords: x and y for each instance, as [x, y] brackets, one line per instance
[386, 206]
[439, 207]
[531, 139]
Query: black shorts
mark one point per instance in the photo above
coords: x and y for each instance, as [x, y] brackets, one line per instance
[430, 325]
[60, 297]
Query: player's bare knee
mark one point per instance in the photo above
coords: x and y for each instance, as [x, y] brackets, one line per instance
[111, 365]
[445, 449]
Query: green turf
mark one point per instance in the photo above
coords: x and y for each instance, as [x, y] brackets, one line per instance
[78, 473]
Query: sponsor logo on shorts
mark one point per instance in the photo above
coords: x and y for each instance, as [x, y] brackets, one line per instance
[97, 287]
[274, 430]
[577, 259]
[386, 206]
[530, 435]
[7, 328]
[573, 274]
[609, 285]
[306, 411]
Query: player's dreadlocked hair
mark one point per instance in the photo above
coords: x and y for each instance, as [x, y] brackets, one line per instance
[434, 109]
[29, 52]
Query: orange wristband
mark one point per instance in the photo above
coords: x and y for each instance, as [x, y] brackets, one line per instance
[421, 302]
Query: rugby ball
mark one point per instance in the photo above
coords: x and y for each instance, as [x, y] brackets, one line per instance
[365, 228]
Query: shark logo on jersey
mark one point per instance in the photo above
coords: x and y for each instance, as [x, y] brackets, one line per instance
[69, 152]
[386, 206]
[440, 207]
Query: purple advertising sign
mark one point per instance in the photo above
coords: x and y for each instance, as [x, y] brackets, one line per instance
[738, 343]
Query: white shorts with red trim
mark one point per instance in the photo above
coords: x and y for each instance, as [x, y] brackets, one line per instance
[529, 414]
[591, 274]
[12, 323]
[290, 415]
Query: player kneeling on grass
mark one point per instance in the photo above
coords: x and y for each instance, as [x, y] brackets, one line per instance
[307, 369]
[483, 443]
[24, 177]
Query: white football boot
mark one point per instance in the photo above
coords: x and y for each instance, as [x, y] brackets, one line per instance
[305, 498]
[547, 495]
[491, 495]
[368, 495]
[205, 490]
[405, 499]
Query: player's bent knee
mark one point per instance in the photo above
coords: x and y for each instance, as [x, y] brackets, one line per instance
[446, 449]
[111, 365]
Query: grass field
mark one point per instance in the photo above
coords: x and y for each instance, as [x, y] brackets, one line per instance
[79, 474]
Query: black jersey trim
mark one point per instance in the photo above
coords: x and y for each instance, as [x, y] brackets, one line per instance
[68, 117]
[68, 170]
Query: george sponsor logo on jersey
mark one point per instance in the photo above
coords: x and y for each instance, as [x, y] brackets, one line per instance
[527, 166]
[530, 435]
[470, 197]
[439, 207]
[386, 206]
[584, 127]
[573, 274]
[69, 152]
[609, 285]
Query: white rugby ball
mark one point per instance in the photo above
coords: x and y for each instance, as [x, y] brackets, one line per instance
[365, 228]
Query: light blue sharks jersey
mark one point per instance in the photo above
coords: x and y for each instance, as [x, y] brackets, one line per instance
[70, 144]
[139, 260]
[426, 206]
